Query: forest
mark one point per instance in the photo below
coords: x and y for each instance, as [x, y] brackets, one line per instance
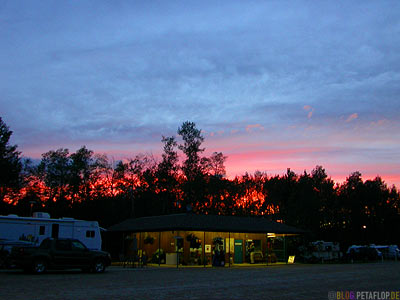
[90, 186]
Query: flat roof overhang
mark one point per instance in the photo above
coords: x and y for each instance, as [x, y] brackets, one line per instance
[209, 223]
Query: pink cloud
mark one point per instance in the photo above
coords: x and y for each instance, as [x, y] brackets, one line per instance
[352, 117]
[379, 123]
[249, 128]
[309, 109]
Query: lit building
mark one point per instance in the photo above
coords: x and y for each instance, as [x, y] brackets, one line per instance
[191, 239]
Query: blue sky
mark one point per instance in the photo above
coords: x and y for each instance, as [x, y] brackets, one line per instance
[272, 84]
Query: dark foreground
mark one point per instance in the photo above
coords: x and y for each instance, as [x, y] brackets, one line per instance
[278, 282]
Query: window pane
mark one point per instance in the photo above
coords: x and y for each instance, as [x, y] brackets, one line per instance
[42, 230]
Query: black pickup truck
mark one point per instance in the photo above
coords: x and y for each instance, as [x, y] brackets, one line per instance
[59, 254]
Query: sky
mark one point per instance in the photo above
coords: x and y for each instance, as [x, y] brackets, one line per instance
[272, 84]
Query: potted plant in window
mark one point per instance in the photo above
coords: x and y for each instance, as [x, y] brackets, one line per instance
[149, 240]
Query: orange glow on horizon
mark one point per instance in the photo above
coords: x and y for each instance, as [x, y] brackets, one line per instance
[273, 162]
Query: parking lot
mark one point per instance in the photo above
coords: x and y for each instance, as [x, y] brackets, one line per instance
[273, 282]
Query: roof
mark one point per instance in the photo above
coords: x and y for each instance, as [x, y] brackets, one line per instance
[193, 222]
[15, 219]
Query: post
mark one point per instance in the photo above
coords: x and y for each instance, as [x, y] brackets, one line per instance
[266, 249]
[141, 250]
[177, 249]
[159, 248]
[123, 247]
[204, 248]
[284, 249]
[229, 247]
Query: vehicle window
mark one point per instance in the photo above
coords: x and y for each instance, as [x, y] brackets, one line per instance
[63, 245]
[46, 244]
[90, 233]
[78, 245]
[42, 230]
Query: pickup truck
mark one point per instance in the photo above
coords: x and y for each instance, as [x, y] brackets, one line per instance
[59, 254]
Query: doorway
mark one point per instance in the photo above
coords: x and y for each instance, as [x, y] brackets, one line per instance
[238, 257]
[54, 230]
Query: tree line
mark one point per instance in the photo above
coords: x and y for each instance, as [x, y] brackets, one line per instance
[90, 186]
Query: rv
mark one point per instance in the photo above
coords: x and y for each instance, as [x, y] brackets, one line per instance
[324, 251]
[40, 226]
[388, 251]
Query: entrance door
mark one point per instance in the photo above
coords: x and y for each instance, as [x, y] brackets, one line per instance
[54, 230]
[238, 258]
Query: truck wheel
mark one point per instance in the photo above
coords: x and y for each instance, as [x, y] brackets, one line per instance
[99, 266]
[39, 266]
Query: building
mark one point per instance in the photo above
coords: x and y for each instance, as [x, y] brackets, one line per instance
[192, 239]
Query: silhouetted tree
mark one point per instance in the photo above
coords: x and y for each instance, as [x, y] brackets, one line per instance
[81, 168]
[142, 185]
[55, 171]
[308, 203]
[168, 177]
[193, 166]
[10, 164]
[216, 164]
[192, 139]
[352, 201]
[86, 171]
[326, 193]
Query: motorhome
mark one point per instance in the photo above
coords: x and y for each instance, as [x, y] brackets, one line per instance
[388, 251]
[363, 252]
[325, 251]
[40, 226]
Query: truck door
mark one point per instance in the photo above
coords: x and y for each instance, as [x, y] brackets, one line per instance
[80, 254]
[62, 254]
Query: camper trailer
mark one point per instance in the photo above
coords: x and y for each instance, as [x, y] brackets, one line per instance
[40, 226]
[321, 251]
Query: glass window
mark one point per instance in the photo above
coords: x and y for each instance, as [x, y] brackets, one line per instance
[78, 245]
[46, 244]
[90, 233]
[63, 245]
[42, 230]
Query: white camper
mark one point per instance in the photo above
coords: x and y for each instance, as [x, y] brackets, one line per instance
[35, 229]
[326, 251]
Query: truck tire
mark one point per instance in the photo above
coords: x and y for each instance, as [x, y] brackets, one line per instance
[39, 266]
[99, 266]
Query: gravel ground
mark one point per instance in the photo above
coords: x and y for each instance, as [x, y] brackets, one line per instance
[277, 282]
